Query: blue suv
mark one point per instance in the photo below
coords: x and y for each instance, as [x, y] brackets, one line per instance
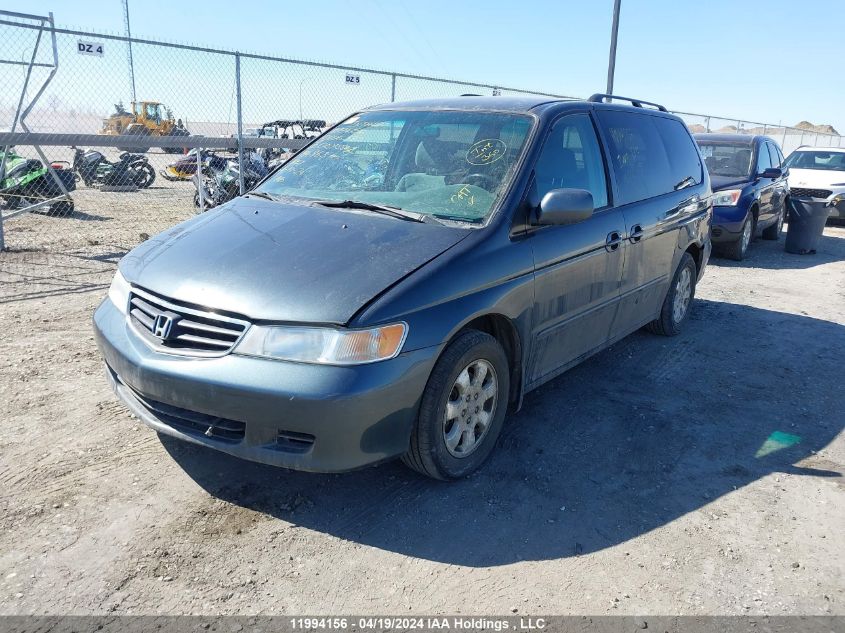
[750, 190]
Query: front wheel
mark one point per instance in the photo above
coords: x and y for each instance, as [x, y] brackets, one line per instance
[773, 232]
[738, 249]
[462, 409]
[676, 306]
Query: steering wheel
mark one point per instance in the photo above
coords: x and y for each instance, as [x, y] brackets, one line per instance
[485, 181]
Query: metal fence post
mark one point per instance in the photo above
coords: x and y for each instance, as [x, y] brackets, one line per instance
[2, 239]
[392, 87]
[240, 124]
[783, 142]
[707, 123]
[200, 192]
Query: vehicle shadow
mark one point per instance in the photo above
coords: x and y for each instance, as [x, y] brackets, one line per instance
[647, 431]
[770, 254]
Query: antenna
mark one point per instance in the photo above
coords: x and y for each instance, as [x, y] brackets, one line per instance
[129, 48]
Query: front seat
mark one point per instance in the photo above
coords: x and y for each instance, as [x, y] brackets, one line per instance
[428, 161]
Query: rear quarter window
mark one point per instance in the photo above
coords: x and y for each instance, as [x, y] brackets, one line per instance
[638, 155]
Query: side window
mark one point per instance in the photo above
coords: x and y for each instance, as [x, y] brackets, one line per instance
[638, 155]
[773, 154]
[571, 159]
[684, 160]
[763, 159]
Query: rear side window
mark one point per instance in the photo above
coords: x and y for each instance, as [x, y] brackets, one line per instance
[638, 155]
[684, 160]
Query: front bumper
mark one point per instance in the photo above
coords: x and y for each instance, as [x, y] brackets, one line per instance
[727, 223]
[306, 417]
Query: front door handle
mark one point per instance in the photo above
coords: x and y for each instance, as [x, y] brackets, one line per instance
[614, 239]
[636, 234]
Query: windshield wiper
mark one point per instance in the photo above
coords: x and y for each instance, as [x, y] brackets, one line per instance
[689, 181]
[262, 194]
[394, 212]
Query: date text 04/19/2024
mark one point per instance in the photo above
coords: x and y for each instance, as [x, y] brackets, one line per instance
[405, 623]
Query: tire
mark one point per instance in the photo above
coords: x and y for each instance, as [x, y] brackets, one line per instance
[739, 249]
[773, 232]
[145, 177]
[433, 450]
[61, 209]
[681, 291]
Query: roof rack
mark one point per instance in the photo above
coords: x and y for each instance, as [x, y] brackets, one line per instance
[637, 103]
[470, 94]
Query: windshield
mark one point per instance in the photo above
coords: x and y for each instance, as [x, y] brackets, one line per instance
[450, 164]
[727, 159]
[829, 161]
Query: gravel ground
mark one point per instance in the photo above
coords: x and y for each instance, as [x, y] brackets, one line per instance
[694, 475]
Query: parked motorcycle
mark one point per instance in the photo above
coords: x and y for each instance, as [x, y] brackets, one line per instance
[184, 167]
[130, 169]
[26, 181]
[220, 179]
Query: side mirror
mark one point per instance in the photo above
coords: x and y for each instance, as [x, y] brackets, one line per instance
[565, 206]
[772, 172]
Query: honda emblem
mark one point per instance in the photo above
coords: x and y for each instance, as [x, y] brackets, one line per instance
[162, 326]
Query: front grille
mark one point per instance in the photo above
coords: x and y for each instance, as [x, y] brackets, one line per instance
[174, 327]
[716, 232]
[192, 422]
[810, 193]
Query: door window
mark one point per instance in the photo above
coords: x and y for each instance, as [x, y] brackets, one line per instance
[638, 155]
[685, 163]
[773, 155]
[763, 159]
[571, 159]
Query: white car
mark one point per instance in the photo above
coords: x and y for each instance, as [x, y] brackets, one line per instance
[819, 173]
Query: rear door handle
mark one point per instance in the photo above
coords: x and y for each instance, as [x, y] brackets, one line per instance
[614, 239]
[636, 234]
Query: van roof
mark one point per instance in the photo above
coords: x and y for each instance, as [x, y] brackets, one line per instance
[508, 104]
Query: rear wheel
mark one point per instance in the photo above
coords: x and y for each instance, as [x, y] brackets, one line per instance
[676, 306]
[462, 409]
[145, 175]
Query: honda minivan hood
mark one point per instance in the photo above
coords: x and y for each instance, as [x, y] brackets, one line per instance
[283, 262]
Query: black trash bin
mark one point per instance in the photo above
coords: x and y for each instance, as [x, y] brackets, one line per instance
[806, 224]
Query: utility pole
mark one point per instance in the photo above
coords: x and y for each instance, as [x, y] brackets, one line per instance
[611, 64]
[129, 49]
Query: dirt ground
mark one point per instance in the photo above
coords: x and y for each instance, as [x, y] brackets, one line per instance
[694, 475]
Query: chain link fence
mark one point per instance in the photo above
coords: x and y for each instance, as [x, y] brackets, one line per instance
[64, 91]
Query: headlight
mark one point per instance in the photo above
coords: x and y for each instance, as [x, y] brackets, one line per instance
[119, 292]
[324, 345]
[726, 198]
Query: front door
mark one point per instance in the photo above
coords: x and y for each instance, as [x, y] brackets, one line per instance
[767, 185]
[578, 267]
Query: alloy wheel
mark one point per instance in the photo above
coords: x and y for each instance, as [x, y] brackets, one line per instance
[683, 293]
[470, 408]
[746, 234]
